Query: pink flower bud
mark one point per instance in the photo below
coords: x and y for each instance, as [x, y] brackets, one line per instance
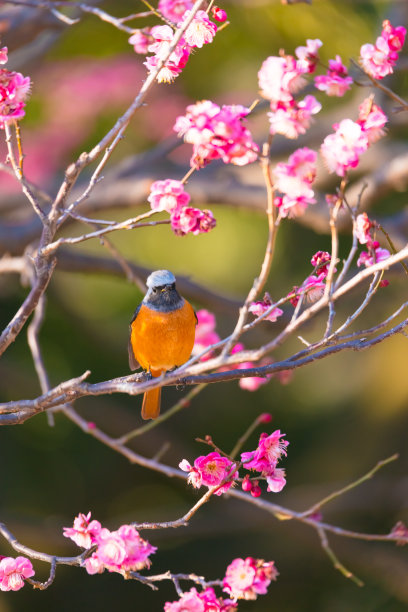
[218, 14]
[246, 484]
[256, 489]
[265, 417]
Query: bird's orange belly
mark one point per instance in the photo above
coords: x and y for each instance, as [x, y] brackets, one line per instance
[163, 340]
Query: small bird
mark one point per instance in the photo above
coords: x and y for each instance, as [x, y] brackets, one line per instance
[162, 333]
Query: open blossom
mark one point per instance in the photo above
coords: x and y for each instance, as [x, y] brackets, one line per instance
[168, 195]
[217, 133]
[376, 255]
[140, 40]
[206, 601]
[362, 227]
[252, 383]
[174, 9]
[14, 90]
[372, 119]
[293, 118]
[265, 457]
[189, 220]
[13, 572]
[341, 151]
[248, 578]
[308, 56]
[163, 37]
[258, 309]
[321, 261]
[378, 60]
[294, 180]
[205, 334]
[200, 31]
[84, 532]
[280, 77]
[210, 470]
[336, 82]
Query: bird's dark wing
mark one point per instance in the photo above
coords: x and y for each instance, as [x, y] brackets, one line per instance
[133, 363]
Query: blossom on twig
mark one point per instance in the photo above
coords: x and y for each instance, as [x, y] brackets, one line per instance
[248, 578]
[211, 470]
[13, 572]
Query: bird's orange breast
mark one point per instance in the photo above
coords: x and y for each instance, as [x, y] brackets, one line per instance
[163, 340]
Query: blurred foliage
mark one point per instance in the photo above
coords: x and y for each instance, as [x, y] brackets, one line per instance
[341, 415]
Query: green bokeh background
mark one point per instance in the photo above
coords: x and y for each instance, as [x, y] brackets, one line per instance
[341, 415]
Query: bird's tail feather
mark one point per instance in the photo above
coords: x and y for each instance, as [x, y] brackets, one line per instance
[151, 404]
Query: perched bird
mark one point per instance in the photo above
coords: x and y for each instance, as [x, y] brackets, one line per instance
[162, 334]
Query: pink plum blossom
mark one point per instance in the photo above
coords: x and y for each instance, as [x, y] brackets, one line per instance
[294, 180]
[378, 60]
[84, 532]
[372, 120]
[14, 90]
[252, 383]
[219, 14]
[336, 82]
[265, 459]
[189, 220]
[205, 333]
[362, 227]
[210, 470]
[201, 30]
[174, 9]
[140, 40]
[259, 308]
[13, 572]
[321, 261]
[217, 133]
[280, 77]
[168, 195]
[376, 255]
[248, 578]
[206, 601]
[293, 118]
[163, 37]
[341, 151]
[3, 55]
[308, 56]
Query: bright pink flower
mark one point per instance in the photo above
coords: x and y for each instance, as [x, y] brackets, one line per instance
[210, 470]
[174, 9]
[313, 288]
[14, 90]
[368, 259]
[308, 55]
[13, 572]
[372, 120]
[140, 40]
[189, 220]
[206, 601]
[378, 60]
[205, 333]
[293, 118]
[276, 480]
[252, 383]
[248, 578]
[163, 37]
[362, 227]
[281, 77]
[295, 177]
[258, 309]
[336, 81]
[341, 151]
[321, 261]
[84, 532]
[217, 133]
[270, 449]
[3, 55]
[168, 195]
[94, 565]
[218, 14]
[201, 30]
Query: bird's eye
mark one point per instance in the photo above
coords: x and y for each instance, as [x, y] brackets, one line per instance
[154, 290]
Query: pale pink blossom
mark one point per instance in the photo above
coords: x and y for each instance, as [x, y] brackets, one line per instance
[336, 81]
[258, 309]
[276, 480]
[189, 220]
[140, 40]
[313, 288]
[341, 151]
[3, 55]
[217, 133]
[293, 118]
[168, 195]
[206, 601]
[362, 227]
[252, 383]
[210, 470]
[201, 30]
[280, 77]
[174, 9]
[163, 37]
[219, 14]
[376, 255]
[295, 177]
[292, 207]
[205, 334]
[372, 119]
[378, 60]
[13, 572]
[84, 532]
[308, 56]
[248, 578]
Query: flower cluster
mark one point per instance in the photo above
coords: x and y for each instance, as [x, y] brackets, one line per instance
[159, 39]
[211, 470]
[336, 81]
[14, 90]
[279, 79]
[341, 151]
[13, 572]
[378, 60]
[206, 601]
[217, 133]
[119, 551]
[313, 286]
[264, 459]
[260, 307]
[205, 334]
[294, 181]
[248, 578]
[169, 195]
[363, 227]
